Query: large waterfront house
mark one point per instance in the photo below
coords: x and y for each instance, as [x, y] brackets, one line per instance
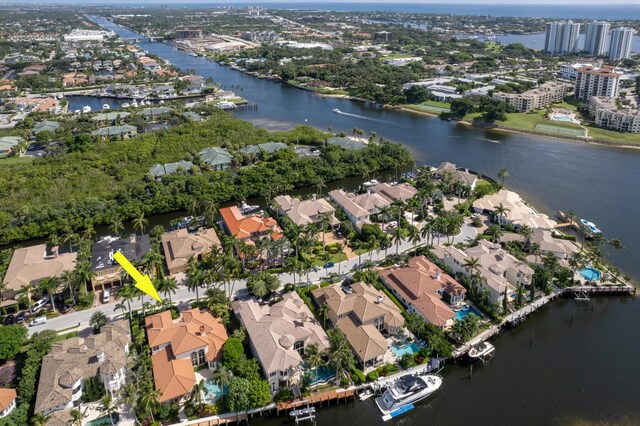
[179, 346]
[268, 148]
[124, 131]
[73, 361]
[106, 271]
[546, 242]
[362, 313]
[425, 289]
[517, 213]
[253, 227]
[30, 265]
[216, 157]
[181, 245]
[303, 213]
[7, 401]
[359, 207]
[500, 271]
[160, 170]
[395, 192]
[457, 174]
[279, 335]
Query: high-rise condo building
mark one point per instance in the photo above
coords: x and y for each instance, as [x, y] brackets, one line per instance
[597, 41]
[620, 43]
[593, 81]
[562, 37]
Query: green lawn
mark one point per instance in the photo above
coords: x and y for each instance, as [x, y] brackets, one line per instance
[431, 106]
[15, 160]
[613, 136]
[335, 258]
[537, 122]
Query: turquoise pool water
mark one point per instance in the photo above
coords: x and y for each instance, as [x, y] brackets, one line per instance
[399, 351]
[212, 391]
[102, 421]
[325, 374]
[461, 313]
[562, 118]
[590, 274]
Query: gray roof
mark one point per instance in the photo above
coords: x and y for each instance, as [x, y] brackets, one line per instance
[346, 143]
[51, 126]
[269, 147]
[114, 130]
[156, 111]
[134, 248]
[8, 142]
[193, 116]
[159, 170]
[216, 155]
[110, 116]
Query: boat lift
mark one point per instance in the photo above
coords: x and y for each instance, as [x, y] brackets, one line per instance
[581, 296]
[305, 413]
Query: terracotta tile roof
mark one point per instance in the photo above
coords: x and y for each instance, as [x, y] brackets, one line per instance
[243, 227]
[366, 340]
[174, 378]
[179, 246]
[6, 397]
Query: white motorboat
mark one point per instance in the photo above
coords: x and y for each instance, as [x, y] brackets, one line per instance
[126, 105]
[86, 109]
[365, 395]
[371, 182]
[248, 208]
[481, 350]
[303, 411]
[134, 104]
[407, 390]
[591, 226]
[337, 111]
[106, 106]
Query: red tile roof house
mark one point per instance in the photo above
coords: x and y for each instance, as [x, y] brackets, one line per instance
[7, 401]
[179, 346]
[249, 228]
[421, 286]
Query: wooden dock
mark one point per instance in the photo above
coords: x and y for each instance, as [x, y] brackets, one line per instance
[601, 290]
[317, 398]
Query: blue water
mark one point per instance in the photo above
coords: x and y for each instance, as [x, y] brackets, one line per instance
[561, 118]
[590, 274]
[410, 349]
[212, 391]
[102, 421]
[461, 313]
[324, 374]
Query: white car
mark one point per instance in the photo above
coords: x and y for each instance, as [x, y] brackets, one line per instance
[38, 321]
[106, 296]
[40, 304]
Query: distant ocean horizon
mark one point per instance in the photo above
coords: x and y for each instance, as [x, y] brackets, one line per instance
[616, 11]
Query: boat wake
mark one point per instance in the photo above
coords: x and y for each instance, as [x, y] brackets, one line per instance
[337, 111]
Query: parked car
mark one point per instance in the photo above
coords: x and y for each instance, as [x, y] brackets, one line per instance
[20, 317]
[106, 296]
[329, 265]
[66, 308]
[40, 304]
[39, 320]
[8, 320]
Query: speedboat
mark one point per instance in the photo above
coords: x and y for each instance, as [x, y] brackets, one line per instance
[481, 349]
[591, 226]
[337, 111]
[86, 109]
[407, 390]
[134, 103]
[365, 395]
[106, 106]
[371, 182]
[126, 105]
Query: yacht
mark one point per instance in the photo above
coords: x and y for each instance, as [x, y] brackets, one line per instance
[106, 106]
[371, 182]
[337, 111]
[248, 208]
[126, 105]
[481, 350]
[86, 109]
[407, 390]
[134, 104]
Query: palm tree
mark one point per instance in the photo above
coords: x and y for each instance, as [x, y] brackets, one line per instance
[140, 223]
[39, 419]
[127, 292]
[526, 232]
[471, 265]
[76, 417]
[314, 357]
[49, 285]
[83, 275]
[494, 232]
[116, 226]
[122, 307]
[319, 185]
[25, 292]
[149, 402]
[107, 405]
[323, 310]
[168, 285]
[68, 278]
[500, 211]
[194, 277]
[197, 393]
[503, 174]
[97, 321]
[210, 211]
[414, 235]
[340, 355]
[193, 206]
[396, 237]
[221, 376]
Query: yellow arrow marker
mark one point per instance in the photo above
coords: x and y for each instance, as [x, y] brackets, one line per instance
[143, 283]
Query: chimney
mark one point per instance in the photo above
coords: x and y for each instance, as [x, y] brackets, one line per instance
[132, 238]
[379, 299]
[201, 331]
[315, 196]
[438, 275]
[368, 191]
[54, 251]
[100, 356]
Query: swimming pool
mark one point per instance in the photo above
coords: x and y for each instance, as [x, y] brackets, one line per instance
[212, 391]
[102, 421]
[324, 374]
[590, 274]
[399, 351]
[562, 118]
[466, 310]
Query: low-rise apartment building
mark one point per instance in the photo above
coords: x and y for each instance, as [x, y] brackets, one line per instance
[539, 98]
[607, 115]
